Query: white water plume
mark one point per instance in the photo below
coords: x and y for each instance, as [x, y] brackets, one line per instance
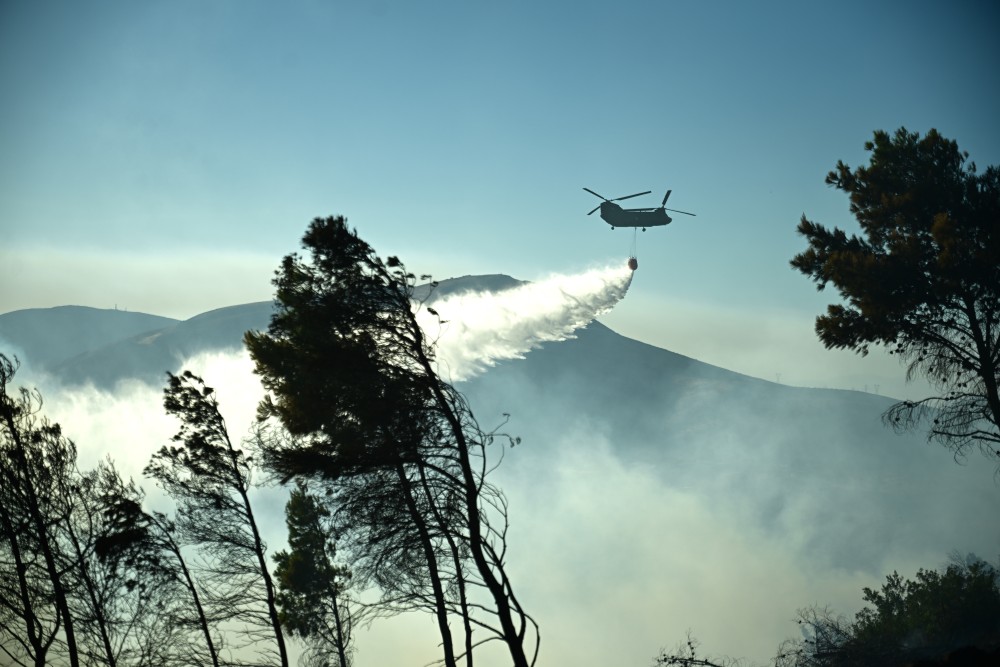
[478, 329]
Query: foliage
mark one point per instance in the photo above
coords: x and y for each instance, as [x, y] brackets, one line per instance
[905, 620]
[118, 600]
[65, 596]
[35, 618]
[685, 654]
[210, 479]
[924, 280]
[149, 543]
[312, 588]
[350, 376]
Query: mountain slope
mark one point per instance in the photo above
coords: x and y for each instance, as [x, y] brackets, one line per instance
[87, 345]
[47, 336]
[651, 492]
[148, 356]
[815, 463]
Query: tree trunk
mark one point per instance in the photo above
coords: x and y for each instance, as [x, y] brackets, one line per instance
[91, 589]
[189, 582]
[440, 607]
[42, 532]
[341, 642]
[32, 626]
[457, 560]
[258, 545]
[512, 637]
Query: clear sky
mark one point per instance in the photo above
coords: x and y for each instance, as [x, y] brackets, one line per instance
[163, 156]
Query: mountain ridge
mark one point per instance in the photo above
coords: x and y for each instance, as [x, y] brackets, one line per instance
[816, 466]
[49, 335]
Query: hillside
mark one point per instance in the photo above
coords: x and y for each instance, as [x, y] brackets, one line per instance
[650, 490]
[47, 336]
[81, 345]
[815, 461]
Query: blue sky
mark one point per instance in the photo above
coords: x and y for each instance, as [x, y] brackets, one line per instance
[163, 156]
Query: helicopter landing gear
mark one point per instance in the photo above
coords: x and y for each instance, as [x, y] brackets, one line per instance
[643, 229]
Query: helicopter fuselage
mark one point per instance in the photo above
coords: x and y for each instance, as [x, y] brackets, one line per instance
[616, 216]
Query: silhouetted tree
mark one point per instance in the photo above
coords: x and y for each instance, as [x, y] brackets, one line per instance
[924, 280]
[118, 600]
[906, 620]
[210, 479]
[824, 637]
[147, 544]
[685, 654]
[35, 463]
[349, 374]
[312, 588]
[29, 622]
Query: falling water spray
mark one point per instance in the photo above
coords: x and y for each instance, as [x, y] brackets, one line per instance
[475, 330]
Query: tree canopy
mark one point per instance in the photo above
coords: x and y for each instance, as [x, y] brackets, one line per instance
[926, 617]
[313, 589]
[210, 479]
[350, 376]
[81, 582]
[923, 279]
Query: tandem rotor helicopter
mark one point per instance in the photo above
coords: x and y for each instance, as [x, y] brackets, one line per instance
[616, 216]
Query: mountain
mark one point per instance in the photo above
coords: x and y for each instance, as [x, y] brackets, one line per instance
[651, 492]
[47, 336]
[819, 458]
[148, 356]
[87, 345]
[819, 462]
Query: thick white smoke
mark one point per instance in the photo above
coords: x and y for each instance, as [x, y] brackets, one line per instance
[478, 329]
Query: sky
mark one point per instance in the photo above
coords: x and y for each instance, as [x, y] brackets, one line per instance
[163, 156]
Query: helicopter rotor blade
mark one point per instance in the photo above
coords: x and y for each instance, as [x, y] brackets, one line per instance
[665, 198]
[596, 195]
[595, 208]
[637, 194]
[676, 211]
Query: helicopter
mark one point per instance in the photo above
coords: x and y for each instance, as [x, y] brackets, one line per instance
[616, 216]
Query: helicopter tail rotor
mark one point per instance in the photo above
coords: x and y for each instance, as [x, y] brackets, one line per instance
[663, 204]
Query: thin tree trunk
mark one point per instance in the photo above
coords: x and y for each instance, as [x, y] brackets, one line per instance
[341, 643]
[189, 582]
[441, 609]
[258, 545]
[457, 559]
[512, 637]
[32, 626]
[41, 529]
[98, 607]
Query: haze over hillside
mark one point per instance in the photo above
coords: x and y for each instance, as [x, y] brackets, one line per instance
[651, 493]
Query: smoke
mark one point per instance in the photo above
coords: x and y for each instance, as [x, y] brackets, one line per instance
[129, 424]
[640, 517]
[474, 330]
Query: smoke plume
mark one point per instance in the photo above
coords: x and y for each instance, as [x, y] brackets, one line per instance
[474, 330]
